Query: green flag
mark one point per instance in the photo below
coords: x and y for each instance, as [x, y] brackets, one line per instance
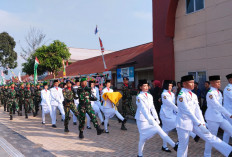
[35, 70]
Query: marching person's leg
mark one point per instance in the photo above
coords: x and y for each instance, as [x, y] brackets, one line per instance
[82, 112]
[183, 138]
[132, 110]
[88, 121]
[164, 136]
[122, 119]
[53, 116]
[99, 114]
[66, 120]
[213, 141]
[61, 108]
[26, 107]
[227, 135]
[213, 128]
[43, 114]
[227, 127]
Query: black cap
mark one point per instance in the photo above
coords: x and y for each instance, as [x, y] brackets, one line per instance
[45, 83]
[55, 81]
[68, 81]
[187, 78]
[107, 81]
[142, 82]
[214, 78]
[77, 79]
[125, 78]
[229, 76]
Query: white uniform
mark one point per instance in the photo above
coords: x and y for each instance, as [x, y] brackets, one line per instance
[228, 106]
[215, 116]
[76, 102]
[189, 116]
[95, 105]
[109, 109]
[57, 101]
[147, 121]
[45, 103]
[168, 113]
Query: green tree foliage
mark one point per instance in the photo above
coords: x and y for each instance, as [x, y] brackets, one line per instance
[8, 57]
[50, 58]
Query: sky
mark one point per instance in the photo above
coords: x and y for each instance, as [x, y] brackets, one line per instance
[121, 23]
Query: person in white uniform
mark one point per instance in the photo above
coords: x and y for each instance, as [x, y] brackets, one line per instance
[56, 101]
[109, 108]
[147, 119]
[95, 104]
[169, 111]
[190, 119]
[76, 101]
[45, 102]
[228, 104]
[216, 115]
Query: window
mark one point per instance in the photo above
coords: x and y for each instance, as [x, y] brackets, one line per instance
[199, 77]
[194, 5]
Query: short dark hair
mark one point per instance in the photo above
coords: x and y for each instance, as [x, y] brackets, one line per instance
[207, 82]
[196, 83]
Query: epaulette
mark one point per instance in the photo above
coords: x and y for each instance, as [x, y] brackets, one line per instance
[180, 93]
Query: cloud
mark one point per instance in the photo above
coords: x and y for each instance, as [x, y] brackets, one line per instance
[143, 15]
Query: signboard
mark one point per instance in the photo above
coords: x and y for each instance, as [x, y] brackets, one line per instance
[125, 72]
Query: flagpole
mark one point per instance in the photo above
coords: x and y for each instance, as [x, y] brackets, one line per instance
[102, 55]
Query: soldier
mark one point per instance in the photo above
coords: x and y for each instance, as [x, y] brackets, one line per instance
[28, 103]
[216, 115]
[127, 97]
[45, 102]
[1, 95]
[37, 98]
[190, 119]
[228, 104]
[21, 98]
[76, 101]
[5, 99]
[12, 100]
[85, 96]
[69, 96]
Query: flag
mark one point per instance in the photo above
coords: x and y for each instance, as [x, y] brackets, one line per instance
[96, 30]
[19, 77]
[64, 72]
[101, 45]
[35, 70]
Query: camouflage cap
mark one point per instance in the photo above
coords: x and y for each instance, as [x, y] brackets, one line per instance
[83, 79]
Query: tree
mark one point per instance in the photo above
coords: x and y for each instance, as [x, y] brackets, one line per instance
[8, 57]
[50, 58]
[34, 39]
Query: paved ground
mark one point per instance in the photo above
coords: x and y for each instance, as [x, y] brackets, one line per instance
[33, 139]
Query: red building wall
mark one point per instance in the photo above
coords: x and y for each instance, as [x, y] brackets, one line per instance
[164, 12]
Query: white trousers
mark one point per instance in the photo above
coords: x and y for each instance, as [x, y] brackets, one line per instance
[147, 131]
[226, 135]
[61, 108]
[183, 137]
[45, 110]
[213, 128]
[169, 124]
[107, 119]
[97, 113]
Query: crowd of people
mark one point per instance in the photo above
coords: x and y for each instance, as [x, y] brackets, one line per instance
[160, 109]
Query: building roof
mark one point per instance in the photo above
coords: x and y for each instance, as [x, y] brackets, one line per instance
[139, 56]
[82, 54]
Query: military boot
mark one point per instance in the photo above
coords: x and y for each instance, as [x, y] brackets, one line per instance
[99, 130]
[26, 116]
[123, 125]
[66, 129]
[11, 117]
[81, 135]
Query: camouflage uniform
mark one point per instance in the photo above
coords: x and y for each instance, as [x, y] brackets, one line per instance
[127, 99]
[85, 96]
[21, 99]
[5, 99]
[37, 99]
[12, 101]
[1, 96]
[69, 96]
[28, 103]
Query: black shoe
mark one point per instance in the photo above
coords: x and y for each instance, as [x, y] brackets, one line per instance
[124, 121]
[53, 125]
[81, 135]
[139, 156]
[62, 120]
[20, 114]
[74, 123]
[106, 131]
[165, 149]
[14, 112]
[43, 122]
[176, 146]
[4, 109]
[119, 120]
[11, 117]
[123, 127]
[66, 130]
[197, 138]
[99, 130]
[102, 123]
[230, 155]
[34, 114]
[26, 116]
[88, 127]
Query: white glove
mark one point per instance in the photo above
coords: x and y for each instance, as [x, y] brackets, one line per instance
[157, 120]
[151, 121]
[204, 129]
